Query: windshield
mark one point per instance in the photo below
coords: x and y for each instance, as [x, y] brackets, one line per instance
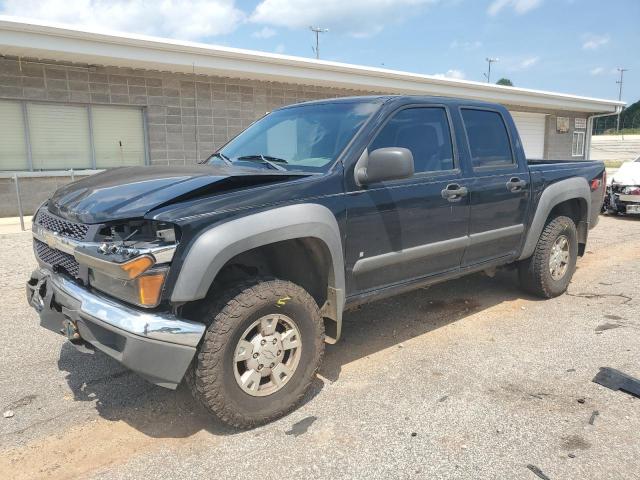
[306, 137]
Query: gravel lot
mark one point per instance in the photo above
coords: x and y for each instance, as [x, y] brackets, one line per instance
[469, 379]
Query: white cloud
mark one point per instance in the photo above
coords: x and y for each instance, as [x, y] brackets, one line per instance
[468, 46]
[518, 63]
[280, 48]
[593, 42]
[596, 71]
[519, 6]
[529, 62]
[264, 32]
[184, 19]
[451, 73]
[359, 18]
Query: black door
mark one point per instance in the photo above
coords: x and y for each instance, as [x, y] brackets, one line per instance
[498, 190]
[405, 229]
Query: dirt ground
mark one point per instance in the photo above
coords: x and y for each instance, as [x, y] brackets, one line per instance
[468, 379]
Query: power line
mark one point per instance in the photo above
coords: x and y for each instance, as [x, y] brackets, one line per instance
[619, 82]
[318, 31]
[490, 60]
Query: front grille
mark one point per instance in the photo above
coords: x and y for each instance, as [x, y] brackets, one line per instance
[77, 231]
[56, 259]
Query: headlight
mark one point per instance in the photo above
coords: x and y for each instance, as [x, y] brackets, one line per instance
[126, 270]
[145, 290]
[132, 260]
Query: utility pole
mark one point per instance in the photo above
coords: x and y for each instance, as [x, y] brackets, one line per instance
[490, 60]
[318, 31]
[619, 82]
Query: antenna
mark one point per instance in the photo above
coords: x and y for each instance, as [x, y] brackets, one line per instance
[490, 60]
[318, 31]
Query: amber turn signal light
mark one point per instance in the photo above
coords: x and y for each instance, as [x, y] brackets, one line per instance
[149, 288]
[137, 266]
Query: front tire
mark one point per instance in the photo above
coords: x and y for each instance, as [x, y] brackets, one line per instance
[259, 354]
[548, 272]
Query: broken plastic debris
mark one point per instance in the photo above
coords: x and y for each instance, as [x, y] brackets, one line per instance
[538, 472]
[616, 380]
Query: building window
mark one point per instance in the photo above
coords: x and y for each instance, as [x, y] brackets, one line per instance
[59, 136]
[118, 136]
[51, 136]
[577, 146]
[13, 150]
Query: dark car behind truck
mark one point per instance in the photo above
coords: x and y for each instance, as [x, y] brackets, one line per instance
[232, 275]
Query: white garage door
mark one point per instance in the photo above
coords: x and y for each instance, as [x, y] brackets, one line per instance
[531, 129]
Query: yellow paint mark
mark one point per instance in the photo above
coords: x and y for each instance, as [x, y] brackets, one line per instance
[282, 301]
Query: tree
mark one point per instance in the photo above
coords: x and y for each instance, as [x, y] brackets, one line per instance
[505, 81]
[630, 116]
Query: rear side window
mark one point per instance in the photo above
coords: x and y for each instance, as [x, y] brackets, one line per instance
[425, 132]
[488, 138]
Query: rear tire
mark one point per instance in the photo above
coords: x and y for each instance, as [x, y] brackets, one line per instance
[259, 354]
[548, 272]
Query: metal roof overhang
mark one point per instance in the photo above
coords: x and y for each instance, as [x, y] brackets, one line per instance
[27, 38]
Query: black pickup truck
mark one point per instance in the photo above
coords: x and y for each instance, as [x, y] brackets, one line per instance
[233, 274]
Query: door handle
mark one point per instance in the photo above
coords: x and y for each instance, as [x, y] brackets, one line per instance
[454, 192]
[515, 184]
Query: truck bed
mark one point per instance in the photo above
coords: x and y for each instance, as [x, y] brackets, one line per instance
[555, 170]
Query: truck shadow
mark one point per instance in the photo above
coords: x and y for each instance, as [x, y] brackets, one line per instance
[120, 395]
[378, 326]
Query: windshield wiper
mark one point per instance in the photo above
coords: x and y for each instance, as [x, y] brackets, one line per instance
[265, 159]
[222, 157]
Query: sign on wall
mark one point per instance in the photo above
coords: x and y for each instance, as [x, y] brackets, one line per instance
[562, 124]
[580, 123]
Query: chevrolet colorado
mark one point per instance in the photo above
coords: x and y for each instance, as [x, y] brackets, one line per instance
[233, 274]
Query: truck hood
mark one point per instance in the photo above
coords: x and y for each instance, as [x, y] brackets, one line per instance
[132, 192]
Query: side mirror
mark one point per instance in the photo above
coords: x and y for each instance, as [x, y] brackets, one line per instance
[390, 163]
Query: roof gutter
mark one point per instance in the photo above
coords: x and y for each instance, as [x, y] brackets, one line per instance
[587, 155]
[57, 42]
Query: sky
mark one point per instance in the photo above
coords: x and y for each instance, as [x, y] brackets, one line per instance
[570, 46]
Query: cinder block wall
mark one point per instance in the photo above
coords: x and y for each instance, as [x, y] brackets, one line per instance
[557, 145]
[183, 111]
[33, 191]
[188, 116]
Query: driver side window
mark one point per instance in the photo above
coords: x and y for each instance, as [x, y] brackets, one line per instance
[425, 132]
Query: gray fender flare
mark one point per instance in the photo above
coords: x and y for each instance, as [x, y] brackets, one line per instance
[553, 195]
[213, 248]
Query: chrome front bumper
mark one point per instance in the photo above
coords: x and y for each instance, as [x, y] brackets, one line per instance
[159, 346]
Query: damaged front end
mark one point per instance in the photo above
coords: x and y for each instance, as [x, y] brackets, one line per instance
[623, 193]
[622, 199]
[101, 286]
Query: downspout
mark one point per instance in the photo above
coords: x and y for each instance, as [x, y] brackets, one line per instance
[587, 146]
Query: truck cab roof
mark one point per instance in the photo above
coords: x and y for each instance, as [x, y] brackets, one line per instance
[400, 100]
